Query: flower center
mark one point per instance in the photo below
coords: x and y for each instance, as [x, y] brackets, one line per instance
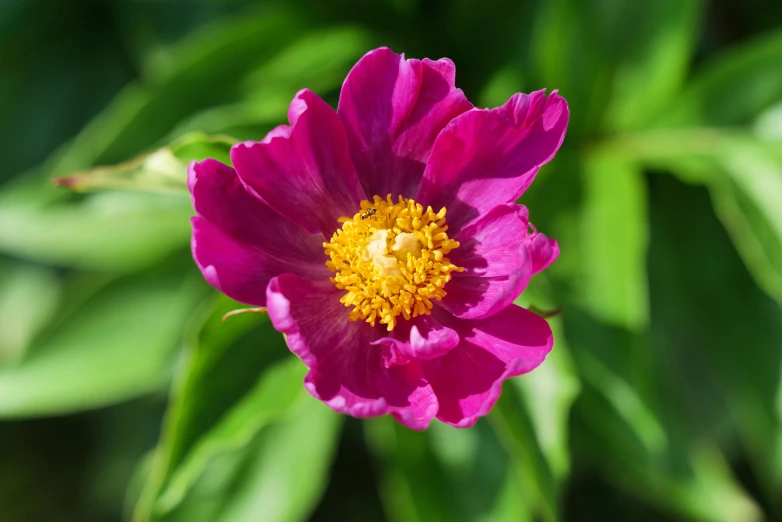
[390, 257]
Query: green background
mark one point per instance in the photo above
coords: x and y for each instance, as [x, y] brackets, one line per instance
[123, 396]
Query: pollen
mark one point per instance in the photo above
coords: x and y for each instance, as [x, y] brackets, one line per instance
[390, 258]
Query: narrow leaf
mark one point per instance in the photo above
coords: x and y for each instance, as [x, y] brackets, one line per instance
[615, 239]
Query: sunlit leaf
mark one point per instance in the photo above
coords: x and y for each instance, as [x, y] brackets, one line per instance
[164, 170]
[279, 475]
[227, 392]
[614, 241]
[28, 299]
[515, 428]
[289, 471]
[272, 398]
[110, 231]
[748, 203]
[120, 344]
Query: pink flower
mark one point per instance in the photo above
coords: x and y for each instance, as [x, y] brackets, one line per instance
[385, 240]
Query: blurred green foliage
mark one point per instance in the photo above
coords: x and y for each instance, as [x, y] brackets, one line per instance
[124, 397]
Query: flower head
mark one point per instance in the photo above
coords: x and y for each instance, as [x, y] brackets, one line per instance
[385, 240]
[390, 257]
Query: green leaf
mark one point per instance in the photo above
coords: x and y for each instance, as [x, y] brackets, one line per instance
[198, 66]
[693, 481]
[615, 401]
[732, 88]
[616, 72]
[640, 421]
[567, 56]
[198, 146]
[744, 174]
[112, 231]
[652, 399]
[412, 485]
[531, 419]
[657, 46]
[614, 241]
[550, 390]
[201, 70]
[119, 344]
[511, 504]
[229, 390]
[272, 398]
[289, 472]
[502, 85]
[708, 492]
[444, 473]
[768, 125]
[43, 102]
[725, 372]
[748, 203]
[516, 429]
[164, 170]
[280, 475]
[29, 296]
[318, 61]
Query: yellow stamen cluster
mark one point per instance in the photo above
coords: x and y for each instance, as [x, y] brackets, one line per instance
[391, 261]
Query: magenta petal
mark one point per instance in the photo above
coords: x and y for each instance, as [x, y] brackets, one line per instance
[420, 338]
[485, 158]
[303, 171]
[393, 109]
[543, 251]
[239, 243]
[497, 264]
[468, 379]
[346, 371]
